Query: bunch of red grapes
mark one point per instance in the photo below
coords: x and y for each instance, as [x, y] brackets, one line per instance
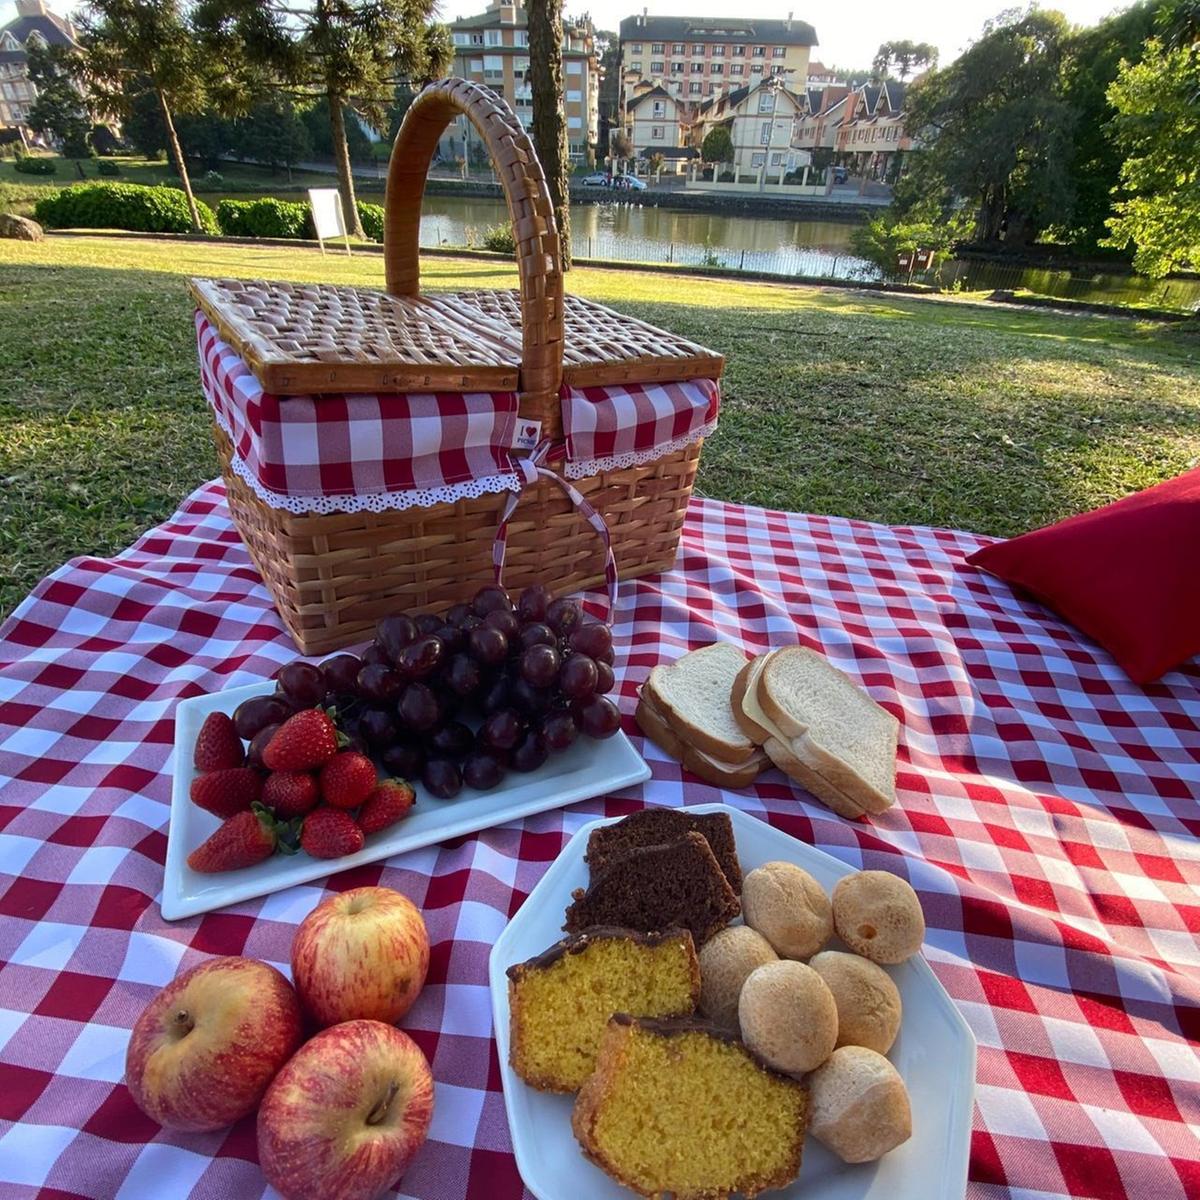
[461, 698]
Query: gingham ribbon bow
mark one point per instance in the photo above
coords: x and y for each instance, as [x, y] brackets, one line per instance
[531, 468]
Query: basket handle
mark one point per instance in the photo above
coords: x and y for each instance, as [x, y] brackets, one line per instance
[529, 207]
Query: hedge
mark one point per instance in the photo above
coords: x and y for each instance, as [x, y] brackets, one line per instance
[266, 218]
[132, 206]
[29, 164]
[271, 218]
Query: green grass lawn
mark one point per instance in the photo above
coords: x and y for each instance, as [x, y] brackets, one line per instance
[235, 176]
[887, 408]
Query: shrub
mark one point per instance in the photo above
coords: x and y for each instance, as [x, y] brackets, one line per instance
[500, 239]
[20, 198]
[130, 206]
[266, 218]
[211, 181]
[371, 216]
[29, 164]
[107, 167]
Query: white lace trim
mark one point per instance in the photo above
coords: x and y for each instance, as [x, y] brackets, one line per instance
[373, 502]
[635, 458]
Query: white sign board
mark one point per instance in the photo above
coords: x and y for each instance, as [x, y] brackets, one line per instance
[328, 218]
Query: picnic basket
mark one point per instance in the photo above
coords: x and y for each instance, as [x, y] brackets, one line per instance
[333, 574]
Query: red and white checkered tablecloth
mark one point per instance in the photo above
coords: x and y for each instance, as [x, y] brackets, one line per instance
[1047, 815]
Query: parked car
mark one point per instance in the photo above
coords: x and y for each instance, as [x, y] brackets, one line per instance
[840, 175]
[628, 182]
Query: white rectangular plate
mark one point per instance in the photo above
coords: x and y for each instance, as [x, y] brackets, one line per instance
[934, 1053]
[588, 768]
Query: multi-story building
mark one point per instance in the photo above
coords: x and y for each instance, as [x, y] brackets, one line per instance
[818, 126]
[761, 118]
[33, 25]
[493, 48]
[871, 131]
[698, 58]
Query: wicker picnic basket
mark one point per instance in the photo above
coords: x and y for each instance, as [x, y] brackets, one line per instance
[334, 574]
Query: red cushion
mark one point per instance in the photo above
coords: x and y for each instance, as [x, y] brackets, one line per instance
[1128, 574]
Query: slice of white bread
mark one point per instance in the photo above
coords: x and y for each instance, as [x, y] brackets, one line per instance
[711, 770]
[821, 729]
[692, 695]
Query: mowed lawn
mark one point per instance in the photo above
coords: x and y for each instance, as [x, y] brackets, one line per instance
[885, 408]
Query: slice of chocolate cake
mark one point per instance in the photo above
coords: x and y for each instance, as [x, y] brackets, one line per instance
[654, 887]
[654, 826]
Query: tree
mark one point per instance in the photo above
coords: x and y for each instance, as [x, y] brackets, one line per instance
[1091, 61]
[272, 133]
[352, 53]
[904, 56]
[136, 48]
[1157, 127]
[717, 146]
[995, 128]
[620, 144]
[883, 238]
[608, 48]
[549, 124]
[59, 111]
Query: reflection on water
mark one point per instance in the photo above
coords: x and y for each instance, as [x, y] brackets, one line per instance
[626, 232]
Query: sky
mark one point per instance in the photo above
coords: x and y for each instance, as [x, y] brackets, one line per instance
[849, 32]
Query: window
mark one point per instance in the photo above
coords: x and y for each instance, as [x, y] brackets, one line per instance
[697, 49]
[718, 52]
[660, 108]
[766, 102]
[717, 69]
[635, 47]
[739, 52]
[656, 48]
[677, 48]
[778, 70]
[493, 66]
[656, 68]
[491, 37]
[779, 52]
[677, 68]
[637, 66]
[477, 39]
[695, 89]
[736, 69]
[477, 64]
[461, 39]
[764, 134]
[575, 97]
[756, 69]
[574, 122]
[656, 133]
[697, 68]
[522, 36]
[777, 158]
[758, 160]
[574, 67]
[759, 52]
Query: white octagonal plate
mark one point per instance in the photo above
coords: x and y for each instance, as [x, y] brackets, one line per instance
[588, 768]
[934, 1053]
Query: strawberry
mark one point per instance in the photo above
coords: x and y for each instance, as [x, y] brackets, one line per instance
[348, 779]
[386, 805]
[244, 839]
[217, 744]
[226, 792]
[291, 793]
[330, 833]
[304, 741]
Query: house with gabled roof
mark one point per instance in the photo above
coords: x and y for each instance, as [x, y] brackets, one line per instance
[34, 25]
[653, 121]
[760, 118]
[870, 132]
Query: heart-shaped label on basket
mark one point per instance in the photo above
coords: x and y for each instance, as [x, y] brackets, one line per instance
[528, 434]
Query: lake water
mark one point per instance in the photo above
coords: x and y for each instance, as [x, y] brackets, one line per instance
[627, 232]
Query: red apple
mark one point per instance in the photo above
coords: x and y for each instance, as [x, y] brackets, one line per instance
[361, 955]
[205, 1048]
[343, 1119]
